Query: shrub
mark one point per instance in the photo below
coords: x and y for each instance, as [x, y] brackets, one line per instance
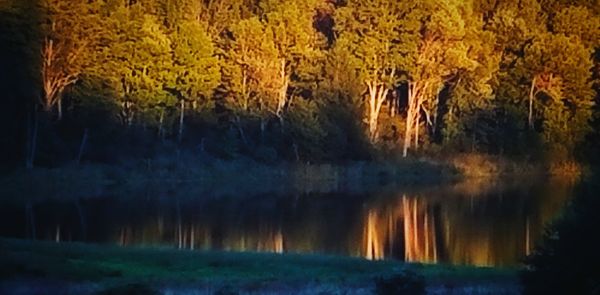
[402, 283]
[567, 260]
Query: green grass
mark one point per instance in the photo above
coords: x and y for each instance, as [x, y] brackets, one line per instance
[110, 266]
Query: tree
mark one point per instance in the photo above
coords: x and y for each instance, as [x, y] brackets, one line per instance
[515, 24]
[298, 45]
[220, 15]
[578, 21]
[196, 68]
[270, 53]
[536, 69]
[470, 105]
[371, 32]
[559, 67]
[137, 63]
[248, 73]
[69, 31]
[440, 52]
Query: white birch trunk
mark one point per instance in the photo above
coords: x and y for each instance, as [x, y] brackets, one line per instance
[531, 97]
[282, 95]
[416, 91]
[410, 114]
[377, 95]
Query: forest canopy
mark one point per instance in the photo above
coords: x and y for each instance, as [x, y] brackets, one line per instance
[318, 80]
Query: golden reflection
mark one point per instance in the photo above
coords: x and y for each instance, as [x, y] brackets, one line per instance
[191, 236]
[420, 242]
[443, 225]
[418, 232]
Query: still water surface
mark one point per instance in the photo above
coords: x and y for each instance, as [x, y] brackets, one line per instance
[481, 222]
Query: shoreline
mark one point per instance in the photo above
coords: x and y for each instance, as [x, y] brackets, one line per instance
[214, 177]
[211, 176]
[89, 269]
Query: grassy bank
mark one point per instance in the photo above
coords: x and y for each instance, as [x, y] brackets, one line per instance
[93, 268]
[201, 175]
[480, 165]
[210, 176]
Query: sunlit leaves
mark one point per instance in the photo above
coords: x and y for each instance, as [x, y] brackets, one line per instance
[137, 61]
[251, 72]
[562, 68]
[437, 64]
[196, 69]
[69, 35]
[580, 22]
[371, 30]
[544, 74]
[269, 53]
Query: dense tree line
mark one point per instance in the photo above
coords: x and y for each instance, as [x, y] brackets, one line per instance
[298, 79]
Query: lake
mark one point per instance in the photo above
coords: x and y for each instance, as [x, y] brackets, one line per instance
[481, 222]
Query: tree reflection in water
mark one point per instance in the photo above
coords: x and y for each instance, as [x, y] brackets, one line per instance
[486, 224]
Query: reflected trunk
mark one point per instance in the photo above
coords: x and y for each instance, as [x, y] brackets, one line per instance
[464, 223]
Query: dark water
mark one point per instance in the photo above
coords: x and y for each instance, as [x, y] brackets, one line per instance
[475, 223]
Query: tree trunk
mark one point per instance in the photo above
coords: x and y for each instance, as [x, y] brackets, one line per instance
[59, 107]
[296, 153]
[180, 135]
[282, 99]
[28, 139]
[416, 91]
[244, 91]
[377, 95]
[417, 127]
[263, 126]
[531, 97]
[82, 145]
[409, 118]
[238, 124]
[160, 124]
[283, 90]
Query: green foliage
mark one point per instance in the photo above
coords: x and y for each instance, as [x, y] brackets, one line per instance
[563, 94]
[248, 73]
[136, 63]
[470, 105]
[305, 129]
[544, 78]
[514, 76]
[196, 68]
[370, 32]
